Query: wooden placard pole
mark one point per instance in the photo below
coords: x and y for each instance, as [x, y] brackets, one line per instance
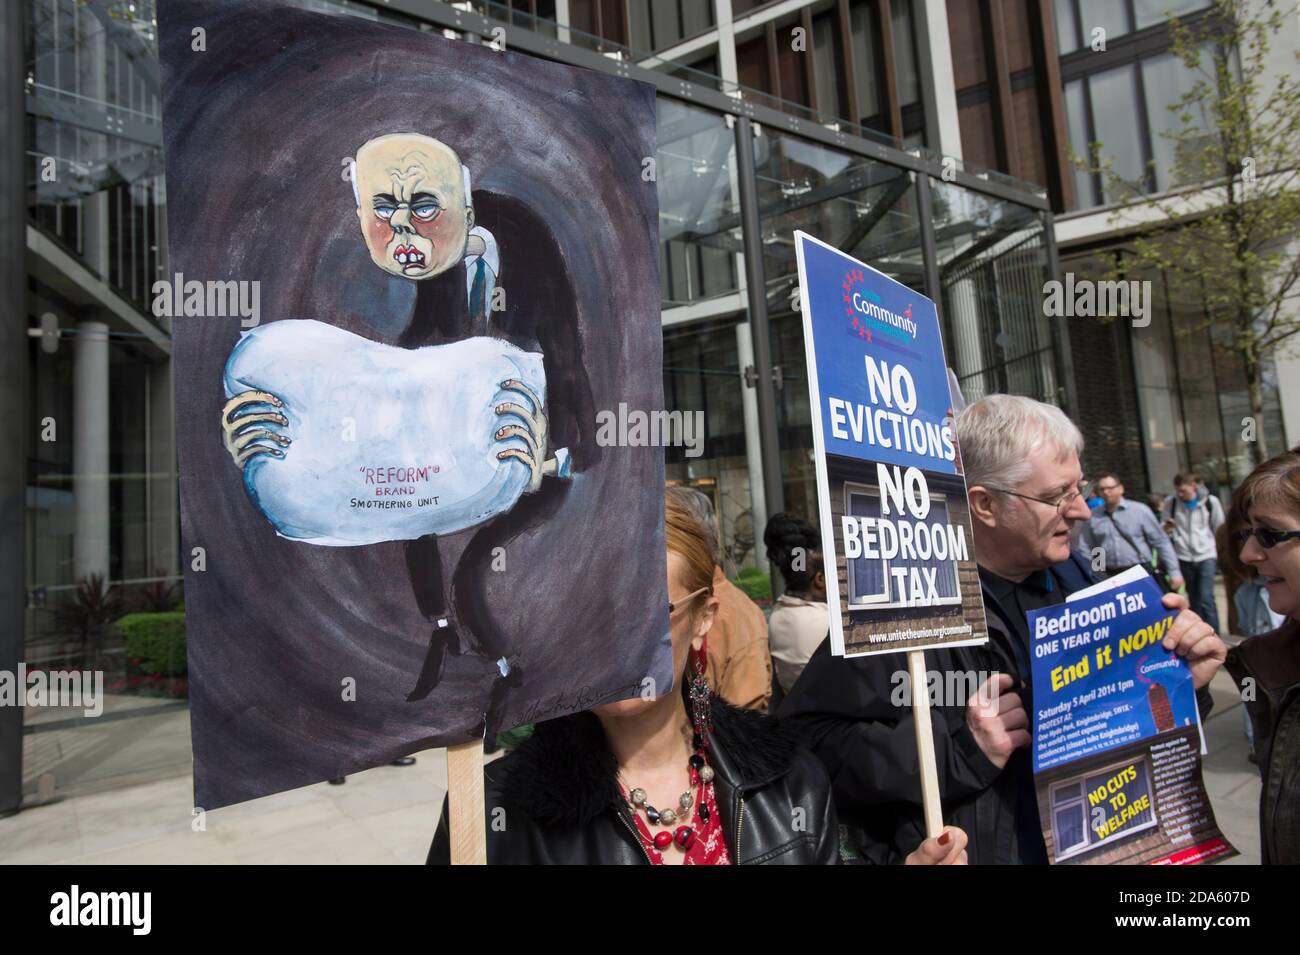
[468, 823]
[925, 744]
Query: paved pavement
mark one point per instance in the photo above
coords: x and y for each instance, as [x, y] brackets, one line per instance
[384, 815]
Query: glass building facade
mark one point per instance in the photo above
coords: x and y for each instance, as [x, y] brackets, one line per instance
[839, 146]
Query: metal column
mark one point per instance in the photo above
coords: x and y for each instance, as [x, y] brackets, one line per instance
[1066, 394]
[929, 252]
[756, 291]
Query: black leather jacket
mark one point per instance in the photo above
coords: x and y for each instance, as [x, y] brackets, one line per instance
[555, 800]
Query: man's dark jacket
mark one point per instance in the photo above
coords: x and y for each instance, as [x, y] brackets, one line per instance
[555, 800]
[842, 708]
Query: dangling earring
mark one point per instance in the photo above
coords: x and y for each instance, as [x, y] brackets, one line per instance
[701, 716]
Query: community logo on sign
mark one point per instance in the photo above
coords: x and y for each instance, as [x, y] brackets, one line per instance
[892, 497]
[868, 316]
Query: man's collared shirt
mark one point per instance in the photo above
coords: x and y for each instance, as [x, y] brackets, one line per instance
[1143, 529]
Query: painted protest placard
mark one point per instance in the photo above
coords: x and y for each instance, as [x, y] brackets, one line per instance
[402, 530]
[892, 496]
[1116, 733]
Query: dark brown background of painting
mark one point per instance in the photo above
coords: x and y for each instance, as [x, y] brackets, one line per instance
[256, 129]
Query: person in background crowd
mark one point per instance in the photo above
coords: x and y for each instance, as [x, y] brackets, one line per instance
[1025, 490]
[739, 667]
[1154, 501]
[800, 620]
[1128, 533]
[683, 778]
[1267, 668]
[1191, 516]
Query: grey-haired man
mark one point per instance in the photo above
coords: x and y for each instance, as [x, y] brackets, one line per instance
[1025, 488]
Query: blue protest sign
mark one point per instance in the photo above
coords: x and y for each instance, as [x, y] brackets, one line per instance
[892, 497]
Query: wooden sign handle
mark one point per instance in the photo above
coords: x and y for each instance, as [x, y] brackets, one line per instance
[465, 803]
[925, 743]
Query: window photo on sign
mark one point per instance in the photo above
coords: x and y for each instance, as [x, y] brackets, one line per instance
[1102, 807]
[880, 581]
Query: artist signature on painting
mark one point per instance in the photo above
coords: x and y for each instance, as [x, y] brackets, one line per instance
[573, 701]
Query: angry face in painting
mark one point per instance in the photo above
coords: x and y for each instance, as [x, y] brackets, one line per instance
[412, 204]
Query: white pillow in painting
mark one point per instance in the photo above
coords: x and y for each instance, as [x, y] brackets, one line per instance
[387, 443]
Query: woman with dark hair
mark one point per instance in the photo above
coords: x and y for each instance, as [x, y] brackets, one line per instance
[682, 778]
[800, 621]
[1267, 668]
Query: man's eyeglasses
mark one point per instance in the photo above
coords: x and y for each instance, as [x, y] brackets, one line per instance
[1267, 537]
[676, 605]
[1060, 503]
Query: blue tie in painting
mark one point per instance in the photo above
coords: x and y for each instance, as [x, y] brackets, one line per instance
[401, 530]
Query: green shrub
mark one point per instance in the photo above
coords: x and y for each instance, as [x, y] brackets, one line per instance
[155, 642]
[756, 584]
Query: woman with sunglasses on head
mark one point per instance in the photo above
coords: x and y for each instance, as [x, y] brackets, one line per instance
[682, 778]
[1267, 668]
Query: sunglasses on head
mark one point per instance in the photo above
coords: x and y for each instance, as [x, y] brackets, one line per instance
[1267, 537]
[676, 605]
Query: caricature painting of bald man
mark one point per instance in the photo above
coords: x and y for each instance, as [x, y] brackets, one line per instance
[412, 204]
[453, 284]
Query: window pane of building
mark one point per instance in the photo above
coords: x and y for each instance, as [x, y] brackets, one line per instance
[791, 64]
[866, 63]
[827, 68]
[640, 34]
[666, 22]
[1117, 129]
[702, 373]
[1108, 15]
[909, 81]
[695, 173]
[1166, 80]
[1076, 117]
[752, 69]
[1067, 30]
[1150, 12]
[696, 18]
